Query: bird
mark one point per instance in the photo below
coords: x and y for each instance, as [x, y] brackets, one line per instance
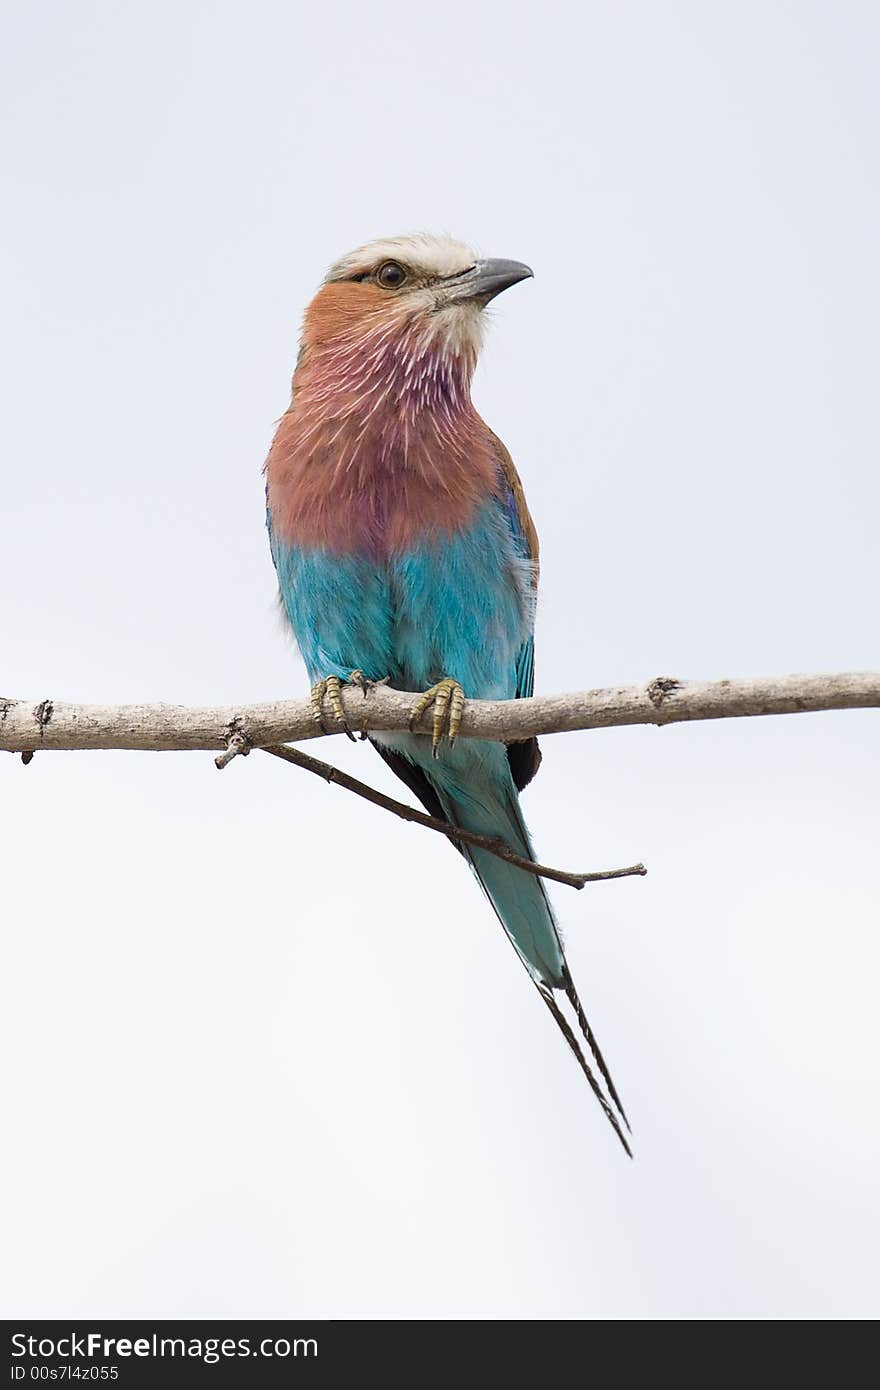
[405, 553]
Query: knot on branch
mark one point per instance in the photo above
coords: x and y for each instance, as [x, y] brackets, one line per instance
[661, 688]
[43, 713]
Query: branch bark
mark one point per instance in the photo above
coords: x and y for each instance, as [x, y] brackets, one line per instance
[28, 725]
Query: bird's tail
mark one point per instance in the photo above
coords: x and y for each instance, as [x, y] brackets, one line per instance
[483, 799]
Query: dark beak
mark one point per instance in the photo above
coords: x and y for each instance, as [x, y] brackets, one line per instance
[488, 278]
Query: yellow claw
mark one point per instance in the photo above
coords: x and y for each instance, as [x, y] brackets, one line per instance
[445, 695]
[331, 687]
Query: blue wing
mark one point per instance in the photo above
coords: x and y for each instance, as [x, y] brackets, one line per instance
[524, 758]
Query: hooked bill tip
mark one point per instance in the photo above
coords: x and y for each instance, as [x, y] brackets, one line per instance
[493, 276]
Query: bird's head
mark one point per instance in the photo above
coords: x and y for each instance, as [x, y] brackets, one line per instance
[420, 296]
[382, 390]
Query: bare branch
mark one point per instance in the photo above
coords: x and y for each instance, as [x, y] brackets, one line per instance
[495, 846]
[26, 725]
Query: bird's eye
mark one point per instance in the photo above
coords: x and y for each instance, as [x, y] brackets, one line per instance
[390, 275]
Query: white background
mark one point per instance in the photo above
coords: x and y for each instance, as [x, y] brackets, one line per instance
[266, 1051]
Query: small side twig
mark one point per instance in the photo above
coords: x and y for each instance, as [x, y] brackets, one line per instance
[237, 746]
[494, 846]
[630, 871]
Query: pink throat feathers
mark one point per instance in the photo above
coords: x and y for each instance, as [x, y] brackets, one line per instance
[381, 446]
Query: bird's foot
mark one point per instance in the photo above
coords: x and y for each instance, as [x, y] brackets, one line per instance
[445, 695]
[331, 689]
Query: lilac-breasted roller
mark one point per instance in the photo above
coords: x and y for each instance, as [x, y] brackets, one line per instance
[405, 552]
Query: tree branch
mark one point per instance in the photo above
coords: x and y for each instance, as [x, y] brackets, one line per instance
[27, 725]
[495, 846]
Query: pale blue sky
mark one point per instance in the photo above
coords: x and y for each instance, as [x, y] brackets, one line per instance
[212, 984]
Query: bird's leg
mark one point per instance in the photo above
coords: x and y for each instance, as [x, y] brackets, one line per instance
[447, 694]
[331, 687]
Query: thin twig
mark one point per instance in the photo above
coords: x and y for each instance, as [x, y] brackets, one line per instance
[237, 746]
[452, 832]
[632, 870]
